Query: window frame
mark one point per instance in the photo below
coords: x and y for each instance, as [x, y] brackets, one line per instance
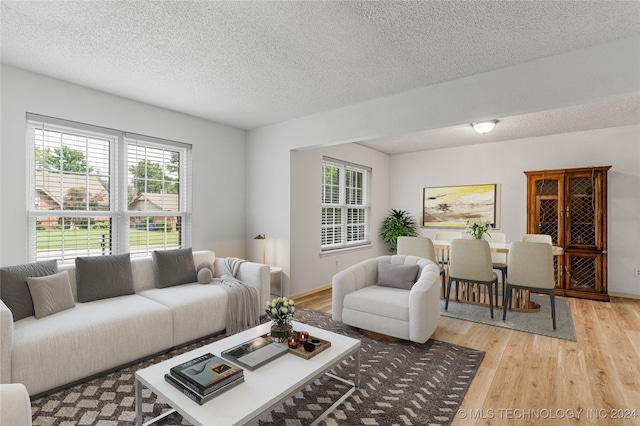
[118, 212]
[345, 207]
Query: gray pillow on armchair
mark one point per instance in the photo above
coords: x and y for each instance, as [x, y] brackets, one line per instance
[398, 276]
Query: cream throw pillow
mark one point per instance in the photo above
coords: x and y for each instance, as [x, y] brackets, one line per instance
[51, 294]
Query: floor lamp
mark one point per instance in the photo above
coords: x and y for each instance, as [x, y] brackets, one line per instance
[264, 246]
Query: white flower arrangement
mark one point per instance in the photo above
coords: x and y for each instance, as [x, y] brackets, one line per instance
[281, 310]
[477, 228]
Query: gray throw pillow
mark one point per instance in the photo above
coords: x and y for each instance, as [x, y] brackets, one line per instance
[174, 267]
[205, 276]
[102, 277]
[14, 291]
[207, 265]
[398, 276]
[51, 294]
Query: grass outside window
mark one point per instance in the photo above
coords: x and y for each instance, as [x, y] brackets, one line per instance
[52, 240]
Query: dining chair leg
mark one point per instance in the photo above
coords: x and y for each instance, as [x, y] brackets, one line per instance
[553, 309]
[504, 305]
[506, 299]
[447, 293]
[504, 283]
[490, 285]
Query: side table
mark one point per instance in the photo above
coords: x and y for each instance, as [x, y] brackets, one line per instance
[276, 280]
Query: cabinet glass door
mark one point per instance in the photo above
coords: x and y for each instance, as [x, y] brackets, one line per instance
[582, 211]
[584, 272]
[548, 211]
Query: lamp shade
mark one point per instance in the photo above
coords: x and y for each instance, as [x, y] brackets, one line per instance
[263, 237]
[484, 126]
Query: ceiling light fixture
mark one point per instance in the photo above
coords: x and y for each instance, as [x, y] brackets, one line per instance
[484, 126]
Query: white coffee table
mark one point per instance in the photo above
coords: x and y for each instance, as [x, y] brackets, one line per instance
[263, 389]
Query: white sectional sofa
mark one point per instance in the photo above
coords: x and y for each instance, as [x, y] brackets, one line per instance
[97, 336]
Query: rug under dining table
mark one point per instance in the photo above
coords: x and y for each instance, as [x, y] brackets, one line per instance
[537, 322]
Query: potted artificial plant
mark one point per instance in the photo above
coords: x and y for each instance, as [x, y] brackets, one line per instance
[399, 223]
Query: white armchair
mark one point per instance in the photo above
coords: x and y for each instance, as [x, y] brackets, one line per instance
[409, 314]
[15, 405]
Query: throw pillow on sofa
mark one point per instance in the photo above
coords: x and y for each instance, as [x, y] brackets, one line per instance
[14, 291]
[51, 294]
[174, 267]
[102, 277]
[205, 272]
[398, 276]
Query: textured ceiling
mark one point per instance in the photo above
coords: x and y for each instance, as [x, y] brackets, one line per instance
[249, 64]
[610, 113]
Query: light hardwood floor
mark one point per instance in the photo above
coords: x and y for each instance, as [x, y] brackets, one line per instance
[528, 379]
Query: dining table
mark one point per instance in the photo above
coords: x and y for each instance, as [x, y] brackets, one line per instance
[474, 294]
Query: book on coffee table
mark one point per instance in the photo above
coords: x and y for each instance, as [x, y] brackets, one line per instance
[197, 397]
[255, 352]
[206, 373]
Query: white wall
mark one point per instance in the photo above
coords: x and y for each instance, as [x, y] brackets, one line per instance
[311, 269]
[218, 157]
[599, 72]
[505, 162]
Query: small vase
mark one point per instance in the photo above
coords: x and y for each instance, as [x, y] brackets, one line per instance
[279, 334]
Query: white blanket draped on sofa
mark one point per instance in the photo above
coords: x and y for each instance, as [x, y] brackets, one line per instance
[244, 300]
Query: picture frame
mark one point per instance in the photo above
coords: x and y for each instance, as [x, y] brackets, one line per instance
[452, 206]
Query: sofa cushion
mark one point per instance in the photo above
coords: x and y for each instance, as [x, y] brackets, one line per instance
[398, 276]
[174, 267]
[14, 290]
[88, 339]
[51, 294]
[102, 277]
[197, 310]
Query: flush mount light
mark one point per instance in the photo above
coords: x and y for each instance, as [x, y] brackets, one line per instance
[484, 126]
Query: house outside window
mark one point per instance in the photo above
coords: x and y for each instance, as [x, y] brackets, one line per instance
[345, 205]
[91, 188]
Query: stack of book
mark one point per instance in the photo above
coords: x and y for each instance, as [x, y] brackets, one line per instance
[202, 378]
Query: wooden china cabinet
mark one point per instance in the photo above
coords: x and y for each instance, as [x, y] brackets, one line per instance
[571, 206]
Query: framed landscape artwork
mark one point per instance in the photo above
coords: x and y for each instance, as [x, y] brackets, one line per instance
[452, 206]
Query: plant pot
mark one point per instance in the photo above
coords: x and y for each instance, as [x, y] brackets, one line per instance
[279, 334]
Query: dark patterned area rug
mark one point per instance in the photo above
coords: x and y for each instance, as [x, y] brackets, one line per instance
[402, 383]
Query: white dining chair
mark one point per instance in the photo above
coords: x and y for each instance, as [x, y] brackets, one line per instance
[447, 235]
[530, 268]
[421, 247]
[471, 263]
[443, 254]
[537, 238]
[498, 260]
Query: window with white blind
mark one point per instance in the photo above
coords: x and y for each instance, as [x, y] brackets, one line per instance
[95, 191]
[156, 195]
[345, 205]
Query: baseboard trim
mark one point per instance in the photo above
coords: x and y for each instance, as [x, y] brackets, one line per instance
[313, 291]
[625, 295]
